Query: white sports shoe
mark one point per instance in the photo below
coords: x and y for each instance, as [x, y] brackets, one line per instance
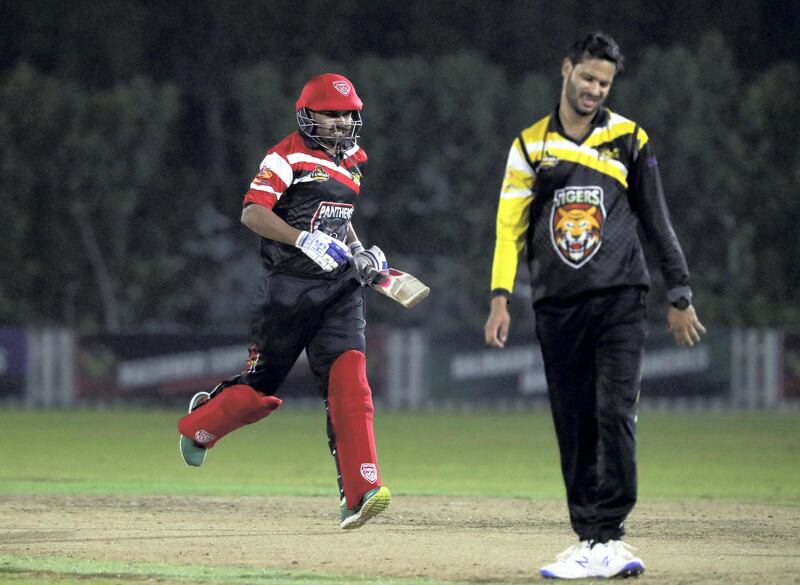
[573, 563]
[614, 559]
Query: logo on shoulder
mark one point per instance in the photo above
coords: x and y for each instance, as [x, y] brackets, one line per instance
[319, 174]
[576, 223]
[548, 161]
[608, 153]
[263, 177]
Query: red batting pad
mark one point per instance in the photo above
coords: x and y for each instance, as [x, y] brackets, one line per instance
[350, 402]
[233, 407]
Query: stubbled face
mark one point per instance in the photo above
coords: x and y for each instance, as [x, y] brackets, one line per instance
[334, 124]
[586, 84]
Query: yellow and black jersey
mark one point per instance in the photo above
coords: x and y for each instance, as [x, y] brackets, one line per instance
[576, 206]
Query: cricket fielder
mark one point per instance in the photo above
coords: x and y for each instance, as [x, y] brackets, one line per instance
[301, 203]
[579, 183]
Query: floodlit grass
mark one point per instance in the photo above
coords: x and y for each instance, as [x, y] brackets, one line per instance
[132, 452]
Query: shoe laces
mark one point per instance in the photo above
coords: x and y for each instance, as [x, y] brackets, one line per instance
[621, 548]
[572, 551]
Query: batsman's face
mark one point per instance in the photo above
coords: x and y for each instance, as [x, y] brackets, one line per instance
[586, 84]
[333, 123]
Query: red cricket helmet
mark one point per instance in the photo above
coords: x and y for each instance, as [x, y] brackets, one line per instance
[330, 92]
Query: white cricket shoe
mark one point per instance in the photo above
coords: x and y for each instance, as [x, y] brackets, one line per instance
[573, 563]
[614, 559]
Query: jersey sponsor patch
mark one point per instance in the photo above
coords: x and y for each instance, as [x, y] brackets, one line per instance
[333, 219]
[576, 223]
[369, 472]
[608, 153]
[319, 174]
[548, 161]
[263, 175]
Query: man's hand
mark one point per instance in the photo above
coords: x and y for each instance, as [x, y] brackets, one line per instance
[495, 331]
[368, 262]
[685, 326]
[326, 251]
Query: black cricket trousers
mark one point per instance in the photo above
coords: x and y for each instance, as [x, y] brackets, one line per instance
[592, 349]
[292, 312]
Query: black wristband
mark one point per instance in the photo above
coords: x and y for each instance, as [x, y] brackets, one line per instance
[681, 303]
[501, 292]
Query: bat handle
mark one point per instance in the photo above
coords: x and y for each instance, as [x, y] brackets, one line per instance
[370, 274]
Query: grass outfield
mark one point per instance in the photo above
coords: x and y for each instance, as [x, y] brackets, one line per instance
[751, 458]
[134, 452]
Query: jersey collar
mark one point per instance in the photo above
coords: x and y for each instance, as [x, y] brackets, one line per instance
[600, 119]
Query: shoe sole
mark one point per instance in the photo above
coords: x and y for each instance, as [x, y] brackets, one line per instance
[371, 508]
[633, 569]
[551, 575]
[190, 453]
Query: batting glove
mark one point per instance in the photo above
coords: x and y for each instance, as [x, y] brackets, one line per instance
[326, 251]
[369, 263]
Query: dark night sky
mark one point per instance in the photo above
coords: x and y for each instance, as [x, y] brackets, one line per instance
[102, 42]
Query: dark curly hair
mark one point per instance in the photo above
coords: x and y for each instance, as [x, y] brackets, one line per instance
[597, 45]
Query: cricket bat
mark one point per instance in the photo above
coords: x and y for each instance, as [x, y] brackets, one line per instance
[399, 286]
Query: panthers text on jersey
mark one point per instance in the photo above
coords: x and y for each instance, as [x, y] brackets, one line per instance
[576, 207]
[310, 191]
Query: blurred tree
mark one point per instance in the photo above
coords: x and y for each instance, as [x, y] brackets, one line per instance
[87, 175]
[768, 211]
[431, 132]
[688, 103]
[115, 188]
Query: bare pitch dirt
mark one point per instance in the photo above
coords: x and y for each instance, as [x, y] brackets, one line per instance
[459, 539]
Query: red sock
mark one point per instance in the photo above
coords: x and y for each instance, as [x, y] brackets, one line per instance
[351, 409]
[233, 407]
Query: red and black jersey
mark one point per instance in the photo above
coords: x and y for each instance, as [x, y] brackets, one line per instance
[310, 190]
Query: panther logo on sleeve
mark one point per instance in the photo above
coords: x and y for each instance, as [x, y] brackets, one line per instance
[576, 224]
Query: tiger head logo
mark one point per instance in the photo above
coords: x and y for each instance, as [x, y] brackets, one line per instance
[577, 232]
[576, 223]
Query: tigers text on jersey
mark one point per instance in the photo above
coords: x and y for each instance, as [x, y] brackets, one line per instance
[310, 191]
[577, 206]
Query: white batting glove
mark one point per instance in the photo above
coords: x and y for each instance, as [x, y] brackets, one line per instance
[326, 251]
[369, 262]
[355, 247]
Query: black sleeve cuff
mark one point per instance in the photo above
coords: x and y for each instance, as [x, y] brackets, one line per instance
[501, 292]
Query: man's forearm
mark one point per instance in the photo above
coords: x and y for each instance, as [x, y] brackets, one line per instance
[266, 224]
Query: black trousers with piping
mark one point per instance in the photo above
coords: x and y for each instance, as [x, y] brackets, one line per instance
[592, 349]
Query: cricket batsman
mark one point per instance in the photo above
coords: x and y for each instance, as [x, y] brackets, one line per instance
[301, 203]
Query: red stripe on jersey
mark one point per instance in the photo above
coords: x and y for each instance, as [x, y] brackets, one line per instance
[263, 198]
